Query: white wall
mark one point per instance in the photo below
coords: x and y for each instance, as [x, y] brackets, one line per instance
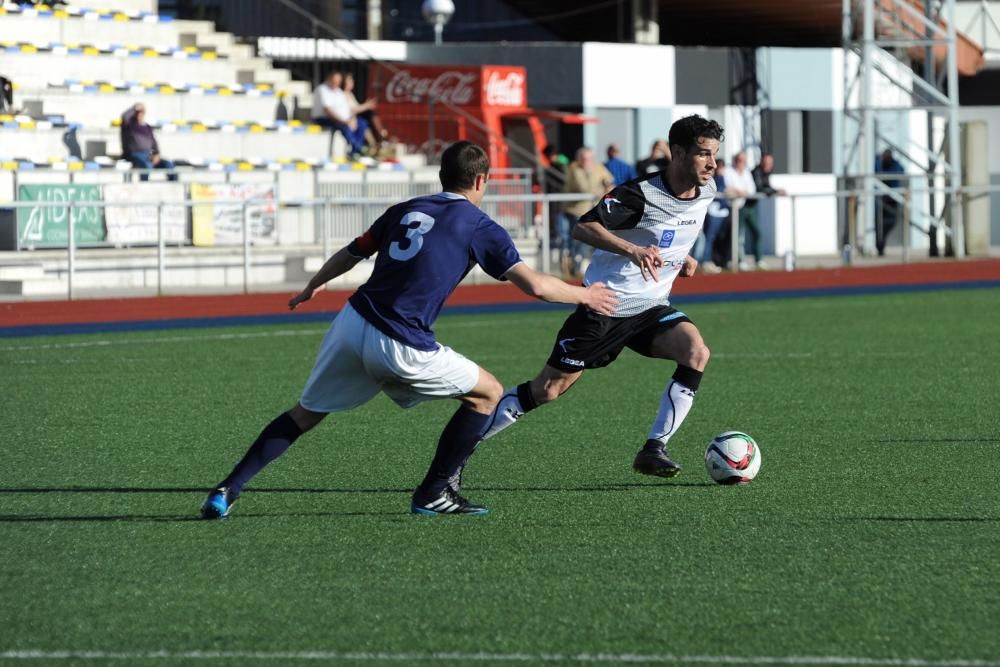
[628, 75]
[815, 217]
[991, 115]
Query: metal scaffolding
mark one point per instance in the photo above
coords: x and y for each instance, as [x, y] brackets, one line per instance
[895, 46]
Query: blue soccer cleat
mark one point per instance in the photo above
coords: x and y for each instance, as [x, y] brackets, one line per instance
[218, 504]
[449, 502]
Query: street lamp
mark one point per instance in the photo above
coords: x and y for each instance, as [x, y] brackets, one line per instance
[437, 13]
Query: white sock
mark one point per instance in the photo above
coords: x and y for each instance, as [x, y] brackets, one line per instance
[508, 411]
[675, 404]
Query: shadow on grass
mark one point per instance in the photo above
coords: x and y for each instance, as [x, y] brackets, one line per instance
[172, 518]
[924, 519]
[624, 486]
[983, 440]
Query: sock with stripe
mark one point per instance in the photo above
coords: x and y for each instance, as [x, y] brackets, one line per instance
[458, 441]
[272, 442]
[514, 403]
[675, 404]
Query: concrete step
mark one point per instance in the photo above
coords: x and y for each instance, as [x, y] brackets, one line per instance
[44, 287]
[17, 272]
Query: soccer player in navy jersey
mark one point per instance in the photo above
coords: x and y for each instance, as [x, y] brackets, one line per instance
[643, 231]
[382, 339]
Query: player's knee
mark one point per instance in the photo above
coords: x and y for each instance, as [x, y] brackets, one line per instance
[699, 356]
[494, 392]
[305, 419]
[549, 393]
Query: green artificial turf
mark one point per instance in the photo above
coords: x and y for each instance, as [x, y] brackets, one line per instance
[871, 532]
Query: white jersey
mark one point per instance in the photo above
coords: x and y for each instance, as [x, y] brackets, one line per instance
[645, 212]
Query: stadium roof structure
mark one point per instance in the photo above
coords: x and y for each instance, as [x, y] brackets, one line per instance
[739, 23]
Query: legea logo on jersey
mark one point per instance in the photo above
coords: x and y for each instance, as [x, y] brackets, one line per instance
[610, 200]
[667, 238]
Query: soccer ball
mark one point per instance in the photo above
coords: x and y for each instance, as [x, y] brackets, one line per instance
[732, 458]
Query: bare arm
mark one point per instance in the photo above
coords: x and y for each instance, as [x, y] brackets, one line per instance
[594, 234]
[341, 262]
[542, 286]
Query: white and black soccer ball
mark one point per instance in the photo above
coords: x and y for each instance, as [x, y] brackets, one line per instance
[732, 458]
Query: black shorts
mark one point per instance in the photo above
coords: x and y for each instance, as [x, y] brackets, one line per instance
[590, 340]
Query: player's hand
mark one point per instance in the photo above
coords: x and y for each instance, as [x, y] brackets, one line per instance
[649, 262]
[302, 297]
[600, 299]
[690, 266]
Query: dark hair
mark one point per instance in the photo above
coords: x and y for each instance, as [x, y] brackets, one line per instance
[460, 164]
[719, 162]
[688, 130]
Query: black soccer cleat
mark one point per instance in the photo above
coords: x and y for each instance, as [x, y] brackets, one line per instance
[218, 504]
[449, 502]
[654, 459]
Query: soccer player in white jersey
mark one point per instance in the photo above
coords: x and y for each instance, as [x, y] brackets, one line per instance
[643, 232]
[382, 340]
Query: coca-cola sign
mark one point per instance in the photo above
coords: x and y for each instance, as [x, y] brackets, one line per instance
[450, 87]
[505, 89]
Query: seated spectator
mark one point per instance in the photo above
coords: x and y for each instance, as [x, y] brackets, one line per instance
[139, 145]
[367, 112]
[6, 95]
[332, 110]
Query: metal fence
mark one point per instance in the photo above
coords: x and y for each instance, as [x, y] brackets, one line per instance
[344, 217]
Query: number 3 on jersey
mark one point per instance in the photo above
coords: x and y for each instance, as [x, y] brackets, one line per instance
[414, 236]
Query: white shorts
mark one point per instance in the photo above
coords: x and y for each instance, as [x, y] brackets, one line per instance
[356, 361]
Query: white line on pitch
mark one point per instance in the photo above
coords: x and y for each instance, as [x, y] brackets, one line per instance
[439, 657]
[105, 342]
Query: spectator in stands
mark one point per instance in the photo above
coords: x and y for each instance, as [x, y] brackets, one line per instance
[620, 169]
[555, 177]
[584, 175]
[659, 158]
[366, 111]
[717, 224]
[740, 184]
[139, 145]
[6, 95]
[332, 110]
[762, 181]
[887, 211]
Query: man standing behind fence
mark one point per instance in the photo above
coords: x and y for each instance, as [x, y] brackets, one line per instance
[888, 208]
[584, 175]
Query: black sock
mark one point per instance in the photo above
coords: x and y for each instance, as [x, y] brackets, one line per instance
[458, 440]
[688, 377]
[525, 397]
[269, 445]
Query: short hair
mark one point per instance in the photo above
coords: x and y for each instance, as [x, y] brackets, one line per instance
[719, 162]
[688, 130]
[460, 164]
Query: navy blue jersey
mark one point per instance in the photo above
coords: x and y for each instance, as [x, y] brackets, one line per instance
[425, 247]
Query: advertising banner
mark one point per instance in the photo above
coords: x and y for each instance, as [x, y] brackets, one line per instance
[222, 223]
[135, 221]
[48, 226]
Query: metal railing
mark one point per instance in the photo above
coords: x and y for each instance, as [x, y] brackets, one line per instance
[533, 232]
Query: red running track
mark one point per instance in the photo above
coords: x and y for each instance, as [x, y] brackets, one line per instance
[29, 313]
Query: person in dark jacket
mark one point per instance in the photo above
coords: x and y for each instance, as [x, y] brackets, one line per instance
[139, 144]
